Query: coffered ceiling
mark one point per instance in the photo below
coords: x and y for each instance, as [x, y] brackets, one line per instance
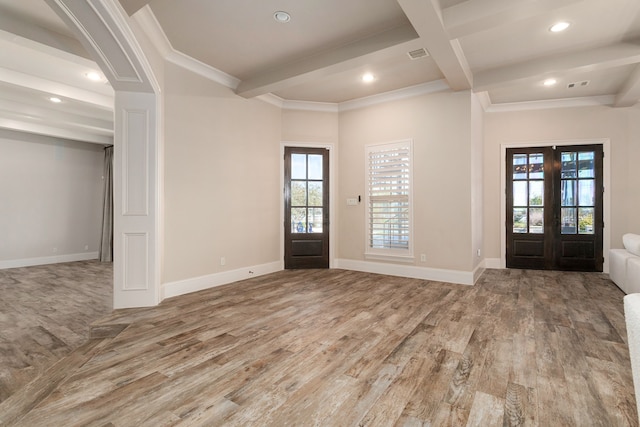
[502, 49]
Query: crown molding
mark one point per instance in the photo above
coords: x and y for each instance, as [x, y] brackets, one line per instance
[485, 99]
[394, 95]
[272, 99]
[587, 101]
[323, 107]
[150, 25]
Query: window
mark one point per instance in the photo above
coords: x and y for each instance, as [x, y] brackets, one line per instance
[389, 218]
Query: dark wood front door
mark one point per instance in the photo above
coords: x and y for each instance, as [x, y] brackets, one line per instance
[306, 194]
[554, 208]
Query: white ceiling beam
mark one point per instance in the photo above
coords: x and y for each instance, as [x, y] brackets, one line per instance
[426, 18]
[473, 16]
[630, 93]
[132, 6]
[56, 88]
[54, 131]
[362, 52]
[54, 116]
[558, 65]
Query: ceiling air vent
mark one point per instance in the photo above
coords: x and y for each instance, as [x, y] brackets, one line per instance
[418, 53]
[583, 83]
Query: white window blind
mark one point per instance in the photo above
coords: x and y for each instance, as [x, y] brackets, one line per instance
[389, 222]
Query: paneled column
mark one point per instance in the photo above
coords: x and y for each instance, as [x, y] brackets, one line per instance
[136, 202]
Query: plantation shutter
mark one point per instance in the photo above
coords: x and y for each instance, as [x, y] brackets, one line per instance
[389, 198]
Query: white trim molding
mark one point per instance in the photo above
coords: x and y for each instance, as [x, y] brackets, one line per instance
[395, 95]
[493, 263]
[586, 101]
[424, 273]
[181, 287]
[30, 262]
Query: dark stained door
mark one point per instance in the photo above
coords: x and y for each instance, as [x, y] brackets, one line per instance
[306, 194]
[554, 208]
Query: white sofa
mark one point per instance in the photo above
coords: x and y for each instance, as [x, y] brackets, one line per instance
[624, 264]
[632, 320]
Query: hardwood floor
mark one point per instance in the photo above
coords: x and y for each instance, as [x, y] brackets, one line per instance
[343, 348]
[45, 313]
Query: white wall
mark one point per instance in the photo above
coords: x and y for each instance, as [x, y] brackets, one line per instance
[440, 126]
[621, 126]
[222, 191]
[50, 199]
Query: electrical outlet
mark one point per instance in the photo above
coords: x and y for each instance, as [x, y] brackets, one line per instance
[352, 202]
[86, 247]
[223, 261]
[423, 258]
[478, 252]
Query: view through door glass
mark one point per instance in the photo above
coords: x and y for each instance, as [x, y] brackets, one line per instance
[306, 208]
[554, 208]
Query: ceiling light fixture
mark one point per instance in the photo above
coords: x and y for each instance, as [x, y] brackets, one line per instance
[282, 17]
[368, 78]
[559, 26]
[55, 100]
[550, 82]
[93, 76]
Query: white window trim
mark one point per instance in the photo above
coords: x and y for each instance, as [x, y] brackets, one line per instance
[398, 255]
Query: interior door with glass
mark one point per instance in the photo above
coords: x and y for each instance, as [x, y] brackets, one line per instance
[529, 208]
[554, 208]
[579, 215]
[306, 197]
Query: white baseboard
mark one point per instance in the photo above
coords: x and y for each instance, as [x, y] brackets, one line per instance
[493, 263]
[181, 287]
[29, 262]
[436, 274]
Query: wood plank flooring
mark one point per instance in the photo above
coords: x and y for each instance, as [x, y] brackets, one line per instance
[343, 348]
[45, 313]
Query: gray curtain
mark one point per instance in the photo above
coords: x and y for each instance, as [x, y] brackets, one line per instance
[106, 243]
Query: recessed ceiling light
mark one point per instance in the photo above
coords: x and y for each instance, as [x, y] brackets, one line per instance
[55, 100]
[550, 82]
[559, 26]
[282, 17]
[93, 76]
[368, 78]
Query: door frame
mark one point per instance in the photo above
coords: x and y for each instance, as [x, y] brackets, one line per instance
[606, 181]
[330, 147]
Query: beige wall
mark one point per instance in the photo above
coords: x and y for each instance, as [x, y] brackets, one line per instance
[51, 196]
[620, 126]
[440, 126]
[477, 182]
[222, 192]
[310, 127]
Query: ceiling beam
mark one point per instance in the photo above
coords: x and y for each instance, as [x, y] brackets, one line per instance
[52, 88]
[630, 93]
[473, 16]
[69, 119]
[426, 18]
[361, 52]
[558, 65]
[132, 6]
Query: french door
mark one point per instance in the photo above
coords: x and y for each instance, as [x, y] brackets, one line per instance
[306, 195]
[554, 208]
